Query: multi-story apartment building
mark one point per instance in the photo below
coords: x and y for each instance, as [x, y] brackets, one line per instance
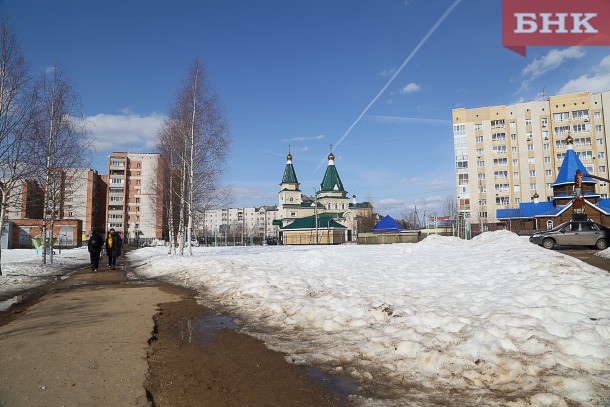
[84, 199]
[238, 222]
[508, 154]
[135, 205]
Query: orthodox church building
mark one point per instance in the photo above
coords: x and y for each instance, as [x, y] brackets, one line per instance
[563, 206]
[327, 218]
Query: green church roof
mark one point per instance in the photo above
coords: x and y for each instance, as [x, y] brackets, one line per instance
[309, 222]
[290, 177]
[331, 180]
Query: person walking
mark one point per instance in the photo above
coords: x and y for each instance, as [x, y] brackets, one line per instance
[114, 243]
[95, 245]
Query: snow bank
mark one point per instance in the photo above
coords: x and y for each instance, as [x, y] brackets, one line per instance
[22, 270]
[491, 321]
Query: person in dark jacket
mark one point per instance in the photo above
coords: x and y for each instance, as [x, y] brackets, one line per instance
[95, 245]
[114, 243]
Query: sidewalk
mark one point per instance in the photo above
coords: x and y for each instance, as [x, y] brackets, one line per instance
[84, 343]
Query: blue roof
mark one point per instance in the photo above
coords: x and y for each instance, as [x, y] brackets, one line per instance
[570, 164]
[387, 224]
[604, 204]
[530, 210]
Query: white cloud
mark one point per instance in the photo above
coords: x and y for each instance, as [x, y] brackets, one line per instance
[318, 137]
[552, 60]
[410, 88]
[113, 132]
[412, 180]
[386, 73]
[438, 183]
[598, 81]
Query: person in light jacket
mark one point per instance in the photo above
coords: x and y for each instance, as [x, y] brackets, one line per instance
[114, 243]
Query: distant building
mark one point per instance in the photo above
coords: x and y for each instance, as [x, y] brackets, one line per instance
[507, 154]
[327, 218]
[247, 222]
[135, 204]
[541, 215]
[79, 210]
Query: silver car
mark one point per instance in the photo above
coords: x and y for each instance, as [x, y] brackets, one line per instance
[574, 233]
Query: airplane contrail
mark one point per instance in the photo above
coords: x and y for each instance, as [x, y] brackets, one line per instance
[389, 82]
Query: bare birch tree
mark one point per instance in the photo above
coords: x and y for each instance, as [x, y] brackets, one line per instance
[16, 110]
[59, 137]
[197, 123]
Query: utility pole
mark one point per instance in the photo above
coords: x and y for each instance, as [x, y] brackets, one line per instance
[316, 213]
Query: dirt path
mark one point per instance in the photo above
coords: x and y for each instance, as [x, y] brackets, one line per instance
[89, 341]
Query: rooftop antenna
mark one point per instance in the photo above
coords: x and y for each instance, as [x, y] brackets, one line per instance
[543, 95]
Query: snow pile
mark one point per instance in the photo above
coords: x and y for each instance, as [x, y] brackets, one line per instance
[22, 270]
[491, 321]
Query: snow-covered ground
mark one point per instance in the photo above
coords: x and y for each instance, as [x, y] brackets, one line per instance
[491, 321]
[22, 270]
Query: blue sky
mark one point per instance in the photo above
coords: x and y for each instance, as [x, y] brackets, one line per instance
[301, 73]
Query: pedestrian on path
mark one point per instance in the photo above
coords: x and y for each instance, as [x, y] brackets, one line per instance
[114, 243]
[95, 245]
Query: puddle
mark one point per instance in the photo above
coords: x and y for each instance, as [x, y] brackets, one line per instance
[6, 304]
[204, 330]
[342, 385]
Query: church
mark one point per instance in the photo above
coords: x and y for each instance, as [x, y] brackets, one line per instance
[327, 218]
[563, 206]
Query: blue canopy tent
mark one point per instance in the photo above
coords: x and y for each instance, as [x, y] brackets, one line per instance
[387, 225]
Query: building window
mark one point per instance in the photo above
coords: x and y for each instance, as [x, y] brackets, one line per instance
[561, 117]
[549, 224]
[478, 126]
[528, 122]
[515, 174]
[580, 115]
[547, 160]
[513, 149]
[502, 200]
[496, 124]
[498, 137]
[597, 115]
[478, 139]
[517, 201]
[515, 162]
[602, 169]
[548, 173]
[543, 122]
[500, 174]
[501, 149]
[532, 173]
[559, 130]
[480, 164]
[530, 147]
[533, 187]
[598, 128]
[581, 128]
[531, 160]
[546, 146]
[513, 137]
[293, 214]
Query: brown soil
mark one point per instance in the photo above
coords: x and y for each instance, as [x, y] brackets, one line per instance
[96, 312]
[234, 369]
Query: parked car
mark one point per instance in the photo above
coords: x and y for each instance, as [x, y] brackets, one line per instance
[574, 233]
